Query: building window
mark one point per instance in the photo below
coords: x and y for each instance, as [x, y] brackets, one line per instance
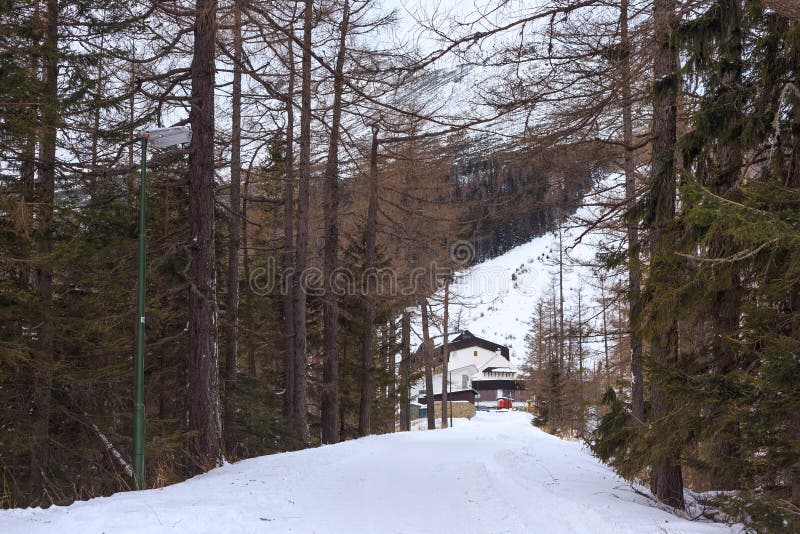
[488, 395]
[464, 381]
[475, 353]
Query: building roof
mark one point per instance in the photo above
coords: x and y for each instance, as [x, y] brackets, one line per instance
[499, 370]
[465, 340]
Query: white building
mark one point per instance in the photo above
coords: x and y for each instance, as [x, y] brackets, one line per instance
[479, 371]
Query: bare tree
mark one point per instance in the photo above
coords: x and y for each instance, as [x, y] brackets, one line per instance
[330, 376]
[288, 239]
[204, 408]
[634, 266]
[368, 343]
[301, 247]
[390, 344]
[234, 223]
[427, 348]
[405, 365]
[445, 349]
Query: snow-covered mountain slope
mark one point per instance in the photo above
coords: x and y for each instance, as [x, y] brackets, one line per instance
[495, 474]
[496, 299]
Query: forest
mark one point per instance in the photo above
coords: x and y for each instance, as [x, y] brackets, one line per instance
[323, 144]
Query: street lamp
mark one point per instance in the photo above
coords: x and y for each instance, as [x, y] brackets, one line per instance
[160, 138]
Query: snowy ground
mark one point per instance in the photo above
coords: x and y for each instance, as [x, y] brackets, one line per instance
[493, 474]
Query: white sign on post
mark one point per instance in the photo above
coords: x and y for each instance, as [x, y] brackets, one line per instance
[166, 137]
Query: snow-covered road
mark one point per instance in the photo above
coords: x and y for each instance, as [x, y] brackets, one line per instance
[494, 474]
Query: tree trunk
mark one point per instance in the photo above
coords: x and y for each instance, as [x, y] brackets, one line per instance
[580, 336]
[204, 408]
[43, 370]
[634, 267]
[427, 346]
[581, 382]
[98, 106]
[330, 372]
[667, 480]
[301, 250]
[726, 304]
[541, 347]
[445, 352]
[342, 406]
[405, 370]
[368, 346]
[130, 177]
[555, 365]
[383, 357]
[248, 308]
[561, 337]
[391, 369]
[232, 304]
[288, 238]
[604, 304]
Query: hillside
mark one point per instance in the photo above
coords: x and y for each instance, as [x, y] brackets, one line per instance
[495, 298]
[496, 473]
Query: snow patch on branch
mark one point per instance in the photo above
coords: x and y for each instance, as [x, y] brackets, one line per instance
[113, 450]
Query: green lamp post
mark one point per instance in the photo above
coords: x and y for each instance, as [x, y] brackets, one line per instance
[160, 138]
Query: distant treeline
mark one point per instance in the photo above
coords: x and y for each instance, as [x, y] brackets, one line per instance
[513, 197]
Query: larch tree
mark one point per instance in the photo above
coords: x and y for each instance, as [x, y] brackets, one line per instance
[330, 379]
[405, 368]
[288, 236]
[632, 230]
[204, 408]
[445, 348]
[234, 221]
[300, 416]
[427, 354]
[370, 274]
